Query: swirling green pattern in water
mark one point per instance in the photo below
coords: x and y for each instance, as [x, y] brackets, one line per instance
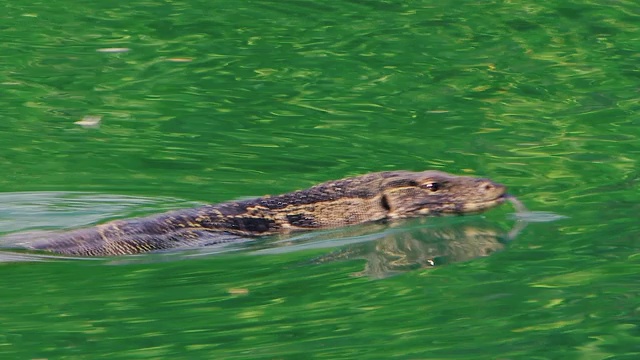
[211, 101]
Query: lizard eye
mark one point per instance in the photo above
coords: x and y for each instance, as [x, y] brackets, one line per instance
[434, 186]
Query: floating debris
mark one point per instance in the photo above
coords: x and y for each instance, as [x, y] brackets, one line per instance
[180, 59]
[89, 121]
[238, 291]
[113, 50]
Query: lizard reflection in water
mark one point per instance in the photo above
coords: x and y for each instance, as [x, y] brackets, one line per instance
[423, 246]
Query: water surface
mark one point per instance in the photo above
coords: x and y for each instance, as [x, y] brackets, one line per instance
[208, 101]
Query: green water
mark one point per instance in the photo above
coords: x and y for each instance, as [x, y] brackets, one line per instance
[219, 100]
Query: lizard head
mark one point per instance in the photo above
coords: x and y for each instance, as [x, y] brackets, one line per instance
[406, 194]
